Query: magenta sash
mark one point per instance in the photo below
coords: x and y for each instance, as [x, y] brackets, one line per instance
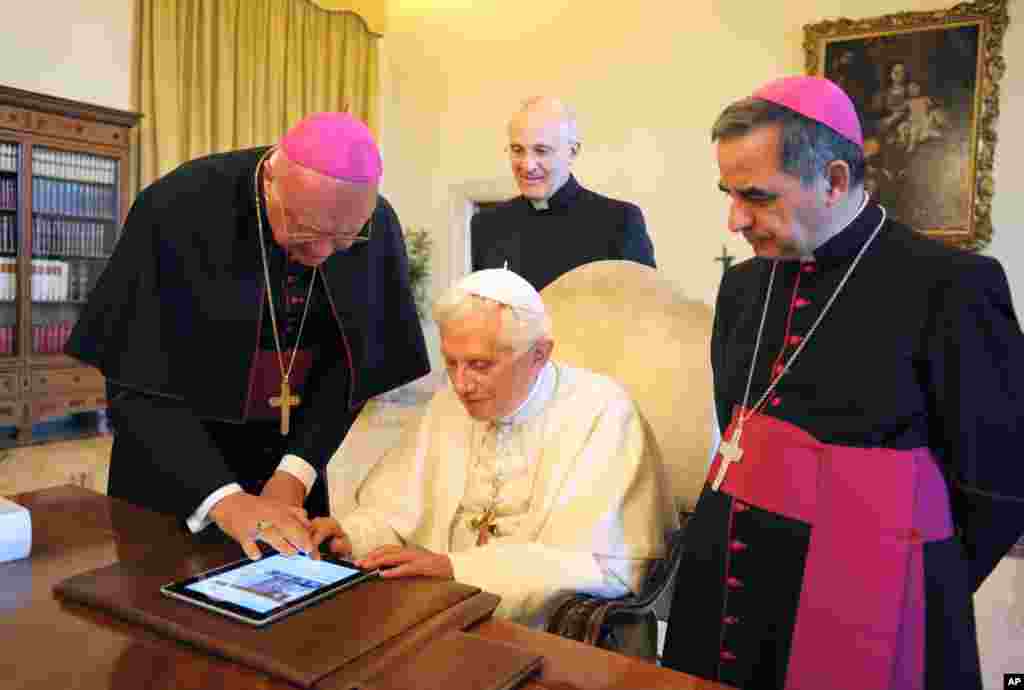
[860, 619]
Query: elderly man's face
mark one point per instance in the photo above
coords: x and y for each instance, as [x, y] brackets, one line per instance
[313, 216]
[491, 382]
[540, 152]
[777, 215]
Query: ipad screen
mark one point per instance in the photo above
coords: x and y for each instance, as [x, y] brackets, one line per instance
[271, 582]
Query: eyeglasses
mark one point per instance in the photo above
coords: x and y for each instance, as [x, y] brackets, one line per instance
[303, 233]
[306, 235]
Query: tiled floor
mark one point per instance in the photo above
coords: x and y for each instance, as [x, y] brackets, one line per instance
[999, 604]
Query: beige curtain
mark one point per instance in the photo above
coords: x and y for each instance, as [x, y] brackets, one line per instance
[216, 75]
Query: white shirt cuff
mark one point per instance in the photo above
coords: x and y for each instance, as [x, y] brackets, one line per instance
[292, 464]
[200, 519]
[300, 469]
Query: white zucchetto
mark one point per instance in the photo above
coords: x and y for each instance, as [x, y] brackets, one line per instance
[505, 287]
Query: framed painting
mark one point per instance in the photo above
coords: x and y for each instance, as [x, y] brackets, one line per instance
[926, 87]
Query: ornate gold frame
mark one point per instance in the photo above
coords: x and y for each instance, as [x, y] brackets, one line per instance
[992, 19]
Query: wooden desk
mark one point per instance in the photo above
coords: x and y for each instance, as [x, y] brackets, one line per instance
[47, 643]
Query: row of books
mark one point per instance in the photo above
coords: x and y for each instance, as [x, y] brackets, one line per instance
[8, 193]
[47, 338]
[55, 237]
[63, 165]
[7, 340]
[72, 198]
[8, 234]
[52, 280]
[67, 165]
[8, 157]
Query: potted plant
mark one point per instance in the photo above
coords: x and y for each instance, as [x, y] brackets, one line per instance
[418, 245]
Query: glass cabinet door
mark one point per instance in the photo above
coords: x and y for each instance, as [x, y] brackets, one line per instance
[10, 164]
[75, 215]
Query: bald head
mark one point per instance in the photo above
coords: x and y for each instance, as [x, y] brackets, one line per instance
[548, 109]
[543, 144]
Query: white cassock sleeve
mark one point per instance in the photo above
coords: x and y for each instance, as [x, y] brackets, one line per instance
[390, 501]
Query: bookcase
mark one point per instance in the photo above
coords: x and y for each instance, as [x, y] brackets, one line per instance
[64, 193]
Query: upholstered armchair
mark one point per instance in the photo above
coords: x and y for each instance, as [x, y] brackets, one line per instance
[629, 322]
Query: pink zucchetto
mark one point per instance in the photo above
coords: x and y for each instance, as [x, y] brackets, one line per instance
[336, 145]
[818, 99]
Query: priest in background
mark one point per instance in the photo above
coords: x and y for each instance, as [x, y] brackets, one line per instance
[255, 301]
[556, 225]
[870, 382]
[526, 478]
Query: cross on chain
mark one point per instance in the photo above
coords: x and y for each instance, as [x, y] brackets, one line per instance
[726, 258]
[730, 452]
[485, 526]
[286, 401]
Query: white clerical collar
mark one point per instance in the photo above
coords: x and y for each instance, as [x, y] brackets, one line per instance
[540, 204]
[542, 391]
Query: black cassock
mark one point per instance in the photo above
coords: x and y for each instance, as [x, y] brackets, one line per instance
[880, 483]
[578, 227]
[179, 319]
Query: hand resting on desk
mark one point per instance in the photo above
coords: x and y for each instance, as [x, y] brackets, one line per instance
[392, 560]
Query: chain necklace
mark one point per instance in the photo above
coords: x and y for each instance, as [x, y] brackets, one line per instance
[730, 448]
[285, 400]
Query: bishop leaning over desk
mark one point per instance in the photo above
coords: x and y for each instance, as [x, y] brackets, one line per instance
[255, 301]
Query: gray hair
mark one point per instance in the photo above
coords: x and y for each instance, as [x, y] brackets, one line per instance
[520, 329]
[808, 146]
[554, 105]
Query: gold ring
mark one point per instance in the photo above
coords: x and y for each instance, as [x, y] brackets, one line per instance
[263, 525]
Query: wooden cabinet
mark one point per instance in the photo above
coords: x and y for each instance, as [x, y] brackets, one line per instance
[64, 193]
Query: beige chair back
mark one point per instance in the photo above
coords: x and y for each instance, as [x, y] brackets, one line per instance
[627, 321]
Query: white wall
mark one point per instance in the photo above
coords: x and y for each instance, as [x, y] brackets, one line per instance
[1008, 209]
[77, 49]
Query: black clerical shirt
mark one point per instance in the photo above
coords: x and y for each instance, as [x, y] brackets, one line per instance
[578, 227]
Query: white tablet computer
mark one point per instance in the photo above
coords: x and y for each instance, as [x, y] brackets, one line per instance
[258, 592]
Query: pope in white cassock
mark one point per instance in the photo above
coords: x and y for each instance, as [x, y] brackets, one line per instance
[525, 477]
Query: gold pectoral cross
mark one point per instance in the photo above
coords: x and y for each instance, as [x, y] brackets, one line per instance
[731, 452]
[485, 526]
[286, 401]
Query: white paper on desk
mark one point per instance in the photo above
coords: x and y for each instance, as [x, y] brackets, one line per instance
[15, 531]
